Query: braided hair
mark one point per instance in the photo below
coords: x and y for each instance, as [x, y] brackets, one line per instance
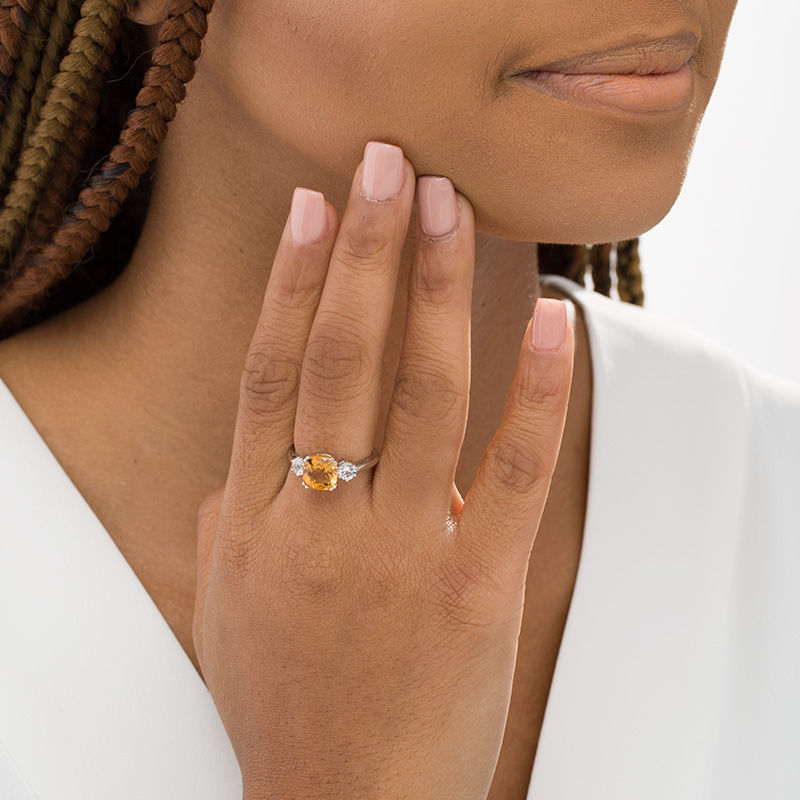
[82, 115]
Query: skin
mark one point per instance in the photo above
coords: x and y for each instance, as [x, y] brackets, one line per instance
[135, 390]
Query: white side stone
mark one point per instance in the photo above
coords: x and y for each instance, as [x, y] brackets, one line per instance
[346, 470]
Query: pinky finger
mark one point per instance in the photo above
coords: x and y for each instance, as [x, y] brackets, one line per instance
[504, 505]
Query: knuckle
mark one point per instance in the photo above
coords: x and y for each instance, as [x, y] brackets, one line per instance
[541, 389]
[516, 466]
[427, 396]
[364, 246]
[463, 591]
[269, 379]
[249, 505]
[310, 570]
[371, 570]
[294, 287]
[335, 361]
[433, 280]
[389, 576]
[240, 548]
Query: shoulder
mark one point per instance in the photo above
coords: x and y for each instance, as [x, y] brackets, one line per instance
[651, 351]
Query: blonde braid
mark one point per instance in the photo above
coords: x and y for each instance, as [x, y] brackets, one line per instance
[12, 123]
[61, 24]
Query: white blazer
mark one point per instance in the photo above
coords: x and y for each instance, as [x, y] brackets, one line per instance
[679, 670]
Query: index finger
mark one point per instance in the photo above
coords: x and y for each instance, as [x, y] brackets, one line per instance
[272, 367]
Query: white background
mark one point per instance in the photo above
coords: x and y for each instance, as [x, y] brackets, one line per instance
[725, 260]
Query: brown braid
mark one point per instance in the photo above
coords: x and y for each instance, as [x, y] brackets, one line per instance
[15, 16]
[59, 253]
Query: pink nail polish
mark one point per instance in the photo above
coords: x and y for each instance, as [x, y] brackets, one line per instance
[308, 219]
[384, 171]
[549, 328]
[438, 207]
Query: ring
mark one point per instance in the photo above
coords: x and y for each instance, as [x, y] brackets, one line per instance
[322, 471]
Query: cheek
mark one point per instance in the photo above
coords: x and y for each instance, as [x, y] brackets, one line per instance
[327, 76]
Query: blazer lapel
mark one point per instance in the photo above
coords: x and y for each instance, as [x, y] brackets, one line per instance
[635, 697]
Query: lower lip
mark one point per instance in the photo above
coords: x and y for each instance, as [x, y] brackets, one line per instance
[664, 93]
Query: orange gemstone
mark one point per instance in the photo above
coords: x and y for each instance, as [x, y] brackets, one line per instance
[319, 472]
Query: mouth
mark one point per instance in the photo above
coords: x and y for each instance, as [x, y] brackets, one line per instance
[653, 77]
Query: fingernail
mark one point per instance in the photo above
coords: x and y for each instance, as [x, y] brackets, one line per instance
[438, 208]
[308, 219]
[549, 326]
[384, 171]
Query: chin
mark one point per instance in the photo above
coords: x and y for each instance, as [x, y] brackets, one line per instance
[577, 217]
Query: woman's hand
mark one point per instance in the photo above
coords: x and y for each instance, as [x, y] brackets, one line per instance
[361, 642]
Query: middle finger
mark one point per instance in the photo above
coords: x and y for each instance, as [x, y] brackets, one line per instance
[339, 394]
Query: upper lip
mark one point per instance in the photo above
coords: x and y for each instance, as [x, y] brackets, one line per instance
[665, 54]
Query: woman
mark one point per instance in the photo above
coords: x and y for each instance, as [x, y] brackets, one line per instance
[291, 648]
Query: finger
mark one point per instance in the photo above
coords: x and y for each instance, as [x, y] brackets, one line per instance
[271, 375]
[339, 396]
[207, 518]
[427, 414]
[504, 505]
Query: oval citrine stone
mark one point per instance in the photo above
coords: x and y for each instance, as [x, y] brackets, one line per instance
[319, 472]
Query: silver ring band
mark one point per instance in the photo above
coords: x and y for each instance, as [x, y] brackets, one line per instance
[323, 472]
